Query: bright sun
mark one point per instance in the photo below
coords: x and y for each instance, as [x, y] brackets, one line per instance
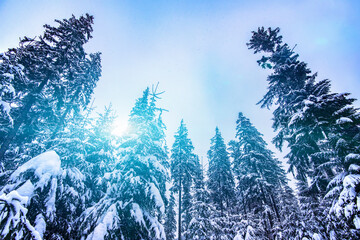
[120, 127]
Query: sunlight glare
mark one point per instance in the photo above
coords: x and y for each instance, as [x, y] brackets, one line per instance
[120, 127]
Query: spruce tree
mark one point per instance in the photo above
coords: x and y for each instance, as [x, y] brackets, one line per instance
[201, 226]
[88, 153]
[221, 181]
[133, 206]
[52, 75]
[260, 178]
[47, 83]
[321, 129]
[73, 194]
[183, 163]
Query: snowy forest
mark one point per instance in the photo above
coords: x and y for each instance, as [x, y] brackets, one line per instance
[63, 175]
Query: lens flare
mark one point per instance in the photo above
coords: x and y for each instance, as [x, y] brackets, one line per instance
[120, 127]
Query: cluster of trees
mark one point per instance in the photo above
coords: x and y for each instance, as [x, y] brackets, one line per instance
[65, 176]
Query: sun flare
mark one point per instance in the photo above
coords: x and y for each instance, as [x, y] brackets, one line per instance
[120, 127]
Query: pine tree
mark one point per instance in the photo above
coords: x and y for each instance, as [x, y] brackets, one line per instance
[72, 192]
[201, 226]
[48, 82]
[51, 76]
[221, 181]
[134, 205]
[87, 153]
[100, 152]
[260, 178]
[321, 128]
[183, 163]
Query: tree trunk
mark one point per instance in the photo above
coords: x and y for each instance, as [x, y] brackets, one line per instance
[179, 223]
[275, 207]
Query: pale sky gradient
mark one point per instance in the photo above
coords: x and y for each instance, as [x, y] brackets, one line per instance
[197, 51]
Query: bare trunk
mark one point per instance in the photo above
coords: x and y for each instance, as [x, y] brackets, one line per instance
[179, 223]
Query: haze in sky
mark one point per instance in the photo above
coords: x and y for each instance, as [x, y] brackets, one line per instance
[197, 52]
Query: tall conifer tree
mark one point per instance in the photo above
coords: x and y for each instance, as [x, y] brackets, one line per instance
[46, 79]
[221, 180]
[260, 178]
[134, 205]
[201, 226]
[321, 129]
[183, 163]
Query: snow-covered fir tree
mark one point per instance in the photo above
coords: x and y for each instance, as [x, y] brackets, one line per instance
[321, 129]
[260, 181]
[72, 194]
[43, 195]
[133, 206]
[202, 225]
[183, 169]
[45, 79]
[53, 208]
[63, 175]
[221, 180]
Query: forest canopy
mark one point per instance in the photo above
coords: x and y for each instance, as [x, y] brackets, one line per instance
[64, 175]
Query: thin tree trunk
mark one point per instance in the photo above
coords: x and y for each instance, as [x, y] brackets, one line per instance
[271, 225]
[221, 202]
[179, 223]
[275, 207]
[244, 206]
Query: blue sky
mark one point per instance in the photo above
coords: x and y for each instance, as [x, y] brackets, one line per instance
[196, 51]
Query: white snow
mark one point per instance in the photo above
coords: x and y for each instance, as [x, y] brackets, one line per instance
[354, 168]
[40, 225]
[307, 102]
[352, 156]
[316, 237]
[137, 213]
[343, 120]
[357, 222]
[50, 201]
[9, 75]
[155, 162]
[26, 190]
[295, 118]
[250, 233]
[155, 194]
[107, 176]
[17, 210]
[134, 180]
[156, 226]
[45, 165]
[106, 223]
[74, 174]
[7, 108]
[238, 237]
[351, 180]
